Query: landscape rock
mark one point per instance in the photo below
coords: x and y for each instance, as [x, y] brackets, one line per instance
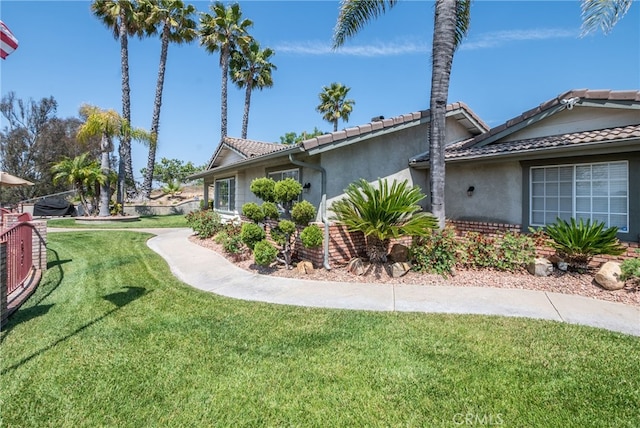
[399, 253]
[305, 267]
[540, 267]
[356, 267]
[399, 269]
[608, 277]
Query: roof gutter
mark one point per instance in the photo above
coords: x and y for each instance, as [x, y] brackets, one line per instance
[323, 206]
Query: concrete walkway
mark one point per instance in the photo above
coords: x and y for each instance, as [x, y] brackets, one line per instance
[206, 270]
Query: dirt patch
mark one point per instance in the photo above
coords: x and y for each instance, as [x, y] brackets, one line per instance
[558, 282]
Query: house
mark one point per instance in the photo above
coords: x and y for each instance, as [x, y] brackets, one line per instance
[576, 155]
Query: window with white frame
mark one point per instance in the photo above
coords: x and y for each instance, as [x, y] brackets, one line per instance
[287, 173]
[225, 196]
[596, 191]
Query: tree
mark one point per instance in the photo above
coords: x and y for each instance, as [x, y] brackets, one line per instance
[224, 31]
[382, 213]
[451, 22]
[121, 17]
[293, 138]
[251, 69]
[108, 124]
[334, 104]
[173, 20]
[173, 170]
[84, 173]
[602, 14]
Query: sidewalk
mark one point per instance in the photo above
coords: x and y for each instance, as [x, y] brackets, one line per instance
[206, 270]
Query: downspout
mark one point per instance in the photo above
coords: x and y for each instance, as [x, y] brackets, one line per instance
[323, 205]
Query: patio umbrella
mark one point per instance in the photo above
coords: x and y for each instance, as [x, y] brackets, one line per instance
[8, 180]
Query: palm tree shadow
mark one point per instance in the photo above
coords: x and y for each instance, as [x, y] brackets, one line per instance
[123, 298]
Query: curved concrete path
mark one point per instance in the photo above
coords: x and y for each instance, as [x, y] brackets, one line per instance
[206, 270]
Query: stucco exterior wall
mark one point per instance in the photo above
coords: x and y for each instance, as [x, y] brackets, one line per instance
[497, 195]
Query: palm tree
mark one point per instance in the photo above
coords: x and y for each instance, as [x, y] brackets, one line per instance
[251, 69]
[109, 125]
[334, 104]
[121, 17]
[602, 14]
[175, 23]
[224, 31]
[450, 26]
[381, 213]
[83, 173]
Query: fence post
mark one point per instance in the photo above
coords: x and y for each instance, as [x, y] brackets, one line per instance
[3, 284]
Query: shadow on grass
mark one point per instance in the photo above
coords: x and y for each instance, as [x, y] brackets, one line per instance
[120, 299]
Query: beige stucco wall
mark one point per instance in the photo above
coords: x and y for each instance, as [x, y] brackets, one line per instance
[497, 196]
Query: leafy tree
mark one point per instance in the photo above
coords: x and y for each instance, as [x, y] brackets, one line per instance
[451, 22]
[169, 170]
[224, 31]
[382, 213]
[83, 172]
[121, 17]
[174, 21]
[251, 69]
[293, 138]
[334, 104]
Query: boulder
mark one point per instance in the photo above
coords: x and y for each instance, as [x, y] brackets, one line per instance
[399, 253]
[540, 267]
[608, 276]
[399, 269]
[356, 267]
[305, 267]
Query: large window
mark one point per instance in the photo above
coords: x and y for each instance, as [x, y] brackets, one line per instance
[596, 191]
[287, 173]
[225, 197]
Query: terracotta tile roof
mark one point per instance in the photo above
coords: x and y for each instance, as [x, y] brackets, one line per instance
[458, 151]
[458, 110]
[252, 148]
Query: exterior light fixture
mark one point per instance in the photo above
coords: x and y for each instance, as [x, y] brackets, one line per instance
[470, 191]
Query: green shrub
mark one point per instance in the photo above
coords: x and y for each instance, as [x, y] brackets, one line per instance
[630, 269]
[283, 232]
[578, 242]
[263, 188]
[303, 212]
[253, 212]
[312, 236]
[233, 245]
[436, 252]
[479, 251]
[251, 234]
[204, 223]
[264, 253]
[221, 237]
[514, 252]
[286, 191]
[270, 210]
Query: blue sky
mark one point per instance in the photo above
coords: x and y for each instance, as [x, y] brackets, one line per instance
[517, 55]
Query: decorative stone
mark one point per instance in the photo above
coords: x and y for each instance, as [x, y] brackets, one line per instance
[608, 277]
[399, 269]
[399, 253]
[555, 259]
[356, 267]
[304, 267]
[563, 266]
[540, 267]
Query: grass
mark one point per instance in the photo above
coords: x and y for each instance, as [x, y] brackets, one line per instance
[111, 339]
[150, 221]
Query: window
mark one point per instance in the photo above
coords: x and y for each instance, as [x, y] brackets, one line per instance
[288, 173]
[596, 191]
[225, 194]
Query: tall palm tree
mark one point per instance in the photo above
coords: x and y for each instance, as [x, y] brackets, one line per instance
[450, 26]
[121, 17]
[224, 31]
[251, 69]
[174, 21]
[603, 14]
[334, 104]
[83, 173]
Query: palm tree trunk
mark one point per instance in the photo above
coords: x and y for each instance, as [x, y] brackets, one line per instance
[335, 125]
[105, 147]
[377, 249]
[224, 63]
[247, 105]
[444, 33]
[125, 168]
[155, 121]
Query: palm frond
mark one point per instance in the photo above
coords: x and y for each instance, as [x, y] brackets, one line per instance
[354, 14]
[603, 14]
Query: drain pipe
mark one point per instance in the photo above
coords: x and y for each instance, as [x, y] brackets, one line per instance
[323, 206]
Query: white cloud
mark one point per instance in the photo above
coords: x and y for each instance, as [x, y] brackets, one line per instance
[371, 50]
[500, 38]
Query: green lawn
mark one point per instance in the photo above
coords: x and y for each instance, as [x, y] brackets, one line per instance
[111, 339]
[176, 220]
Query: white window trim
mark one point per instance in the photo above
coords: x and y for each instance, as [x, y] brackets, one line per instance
[573, 190]
[282, 171]
[217, 196]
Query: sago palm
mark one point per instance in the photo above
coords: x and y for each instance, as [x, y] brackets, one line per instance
[334, 104]
[224, 31]
[251, 68]
[383, 212]
[174, 21]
